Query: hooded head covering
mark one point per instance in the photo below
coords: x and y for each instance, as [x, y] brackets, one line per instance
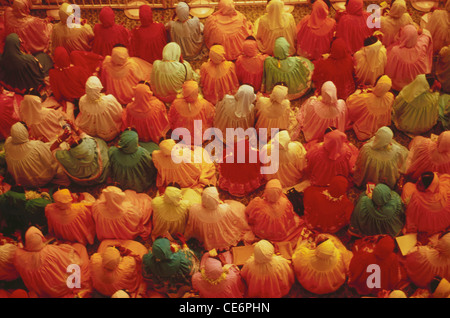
[128, 142]
[213, 268]
[210, 198]
[106, 17]
[19, 134]
[383, 137]
[417, 87]
[354, 7]
[142, 95]
[275, 12]
[325, 250]
[250, 48]
[245, 97]
[226, 7]
[21, 8]
[398, 8]
[190, 91]
[397, 293]
[166, 146]
[217, 54]
[117, 67]
[171, 52]
[31, 110]
[319, 15]
[263, 252]
[283, 139]
[281, 48]
[329, 93]
[145, 15]
[381, 194]
[333, 143]
[34, 240]
[110, 258]
[61, 58]
[408, 36]
[443, 245]
[384, 247]
[182, 11]
[383, 86]
[173, 195]
[443, 142]
[63, 198]
[338, 186]
[65, 10]
[93, 88]
[113, 198]
[273, 190]
[338, 49]
[279, 94]
[120, 294]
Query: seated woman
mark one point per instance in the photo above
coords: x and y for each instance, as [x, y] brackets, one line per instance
[218, 75]
[410, 55]
[382, 254]
[425, 262]
[44, 267]
[321, 266]
[130, 164]
[30, 162]
[295, 71]
[108, 33]
[274, 24]
[266, 274]
[148, 38]
[84, 159]
[315, 32]
[121, 73]
[34, 32]
[122, 215]
[291, 159]
[169, 73]
[380, 160]
[171, 210]
[73, 37]
[8, 114]
[227, 27]
[370, 110]
[21, 72]
[272, 217]
[352, 26]
[116, 268]
[393, 21]
[274, 112]
[216, 224]
[332, 157]
[438, 24]
[178, 164]
[427, 203]
[250, 64]
[318, 113]
[7, 270]
[426, 154]
[189, 107]
[168, 267]
[218, 278]
[67, 81]
[236, 111]
[147, 114]
[416, 107]
[328, 208]
[337, 68]
[240, 168]
[23, 208]
[187, 32]
[370, 61]
[378, 212]
[43, 123]
[100, 115]
[70, 221]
